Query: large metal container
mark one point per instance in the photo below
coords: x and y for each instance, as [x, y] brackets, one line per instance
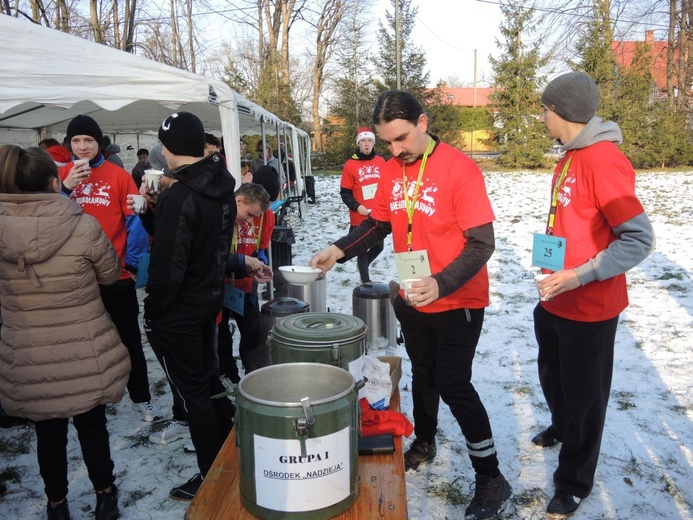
[296, 431]
[329, 338]
[275, 310]
[314, 294]
[371, 302]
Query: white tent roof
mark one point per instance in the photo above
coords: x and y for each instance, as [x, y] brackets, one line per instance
[47, 77]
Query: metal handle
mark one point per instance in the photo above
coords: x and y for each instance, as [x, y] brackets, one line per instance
[336, 355]
[303, 424]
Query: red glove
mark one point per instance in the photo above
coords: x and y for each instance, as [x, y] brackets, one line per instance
[376, 422]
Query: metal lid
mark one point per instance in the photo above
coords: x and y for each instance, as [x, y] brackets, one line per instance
[319, 328]
[284, 307]
[372, 291]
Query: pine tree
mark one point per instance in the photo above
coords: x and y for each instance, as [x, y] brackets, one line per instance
[595, 48]
[354, 89]
[413, 76]
[521, 138]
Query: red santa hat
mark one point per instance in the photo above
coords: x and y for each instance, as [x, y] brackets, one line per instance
[364, 133]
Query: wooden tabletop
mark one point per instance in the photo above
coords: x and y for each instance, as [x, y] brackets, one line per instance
[383, 493]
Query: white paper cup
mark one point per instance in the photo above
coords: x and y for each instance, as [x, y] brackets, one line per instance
[406, 287]
[537, 279]
[139, 204]
[152, 180]
[80, 163]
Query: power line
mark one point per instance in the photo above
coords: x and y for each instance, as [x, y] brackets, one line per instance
[573, 11]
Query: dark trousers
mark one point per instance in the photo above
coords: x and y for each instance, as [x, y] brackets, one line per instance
[363, 261]
[575, 361]
[441, 347]
[184, 346]
[51, 448]
[120, 300]
[252, 347]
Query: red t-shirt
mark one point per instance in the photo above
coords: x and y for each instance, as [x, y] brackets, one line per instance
[361, 177]
[248, 232]
[104, 196]
[597, 195]
[452, 199]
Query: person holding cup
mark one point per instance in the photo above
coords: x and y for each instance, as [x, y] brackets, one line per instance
[603, 231]
[433, 200]
[101, 188]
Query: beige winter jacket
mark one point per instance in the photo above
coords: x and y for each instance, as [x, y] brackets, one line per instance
[60, 354]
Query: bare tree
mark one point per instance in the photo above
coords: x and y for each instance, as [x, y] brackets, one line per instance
[327, 27]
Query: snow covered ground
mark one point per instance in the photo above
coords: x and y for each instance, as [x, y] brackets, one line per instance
[646, 465]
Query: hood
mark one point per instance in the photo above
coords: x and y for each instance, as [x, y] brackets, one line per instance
[595, 131]
[34, 226]
[59, 153]
[208, 177]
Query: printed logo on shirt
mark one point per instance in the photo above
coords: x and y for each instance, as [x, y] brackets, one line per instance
[565, 194]
[369, 172]
[97, 193]
[425, 202]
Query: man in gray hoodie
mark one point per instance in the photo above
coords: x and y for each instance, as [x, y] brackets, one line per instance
[597, 230]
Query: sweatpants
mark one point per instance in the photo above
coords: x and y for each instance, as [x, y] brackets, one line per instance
[51, 449]
[441, 347]
[575, 361]
[120, 300]
[184, 345]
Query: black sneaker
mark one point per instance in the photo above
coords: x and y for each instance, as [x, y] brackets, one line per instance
[3, 489]
[419, 451]
[187, 491]
[490, 495]
[546, 439]
[562, 505]
[107, 504]
[59, 512]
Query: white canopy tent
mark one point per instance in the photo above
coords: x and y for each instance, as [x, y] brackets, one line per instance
[47, 77]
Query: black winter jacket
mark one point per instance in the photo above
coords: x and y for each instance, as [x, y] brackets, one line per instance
[193, 228]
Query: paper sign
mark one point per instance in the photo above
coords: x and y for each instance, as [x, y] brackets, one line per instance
[413, 264]
[233, 299]
[548, 252]
[286, 481]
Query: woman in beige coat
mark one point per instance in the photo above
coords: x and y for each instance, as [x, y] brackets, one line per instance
[60, 355]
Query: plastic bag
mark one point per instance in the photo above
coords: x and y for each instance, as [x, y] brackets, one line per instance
[378, 384]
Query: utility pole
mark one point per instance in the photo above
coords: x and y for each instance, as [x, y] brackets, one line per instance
[475, 54]
[398, 45]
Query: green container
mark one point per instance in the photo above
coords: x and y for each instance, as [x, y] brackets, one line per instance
[296, 431]
[313, 337]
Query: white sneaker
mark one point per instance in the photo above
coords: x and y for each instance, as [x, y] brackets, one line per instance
[149, 410]
[172, 432]
[189, 448]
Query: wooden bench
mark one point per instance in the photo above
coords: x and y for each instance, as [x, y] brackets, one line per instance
[383, 493]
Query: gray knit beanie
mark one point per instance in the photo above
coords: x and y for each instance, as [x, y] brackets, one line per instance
[573, 96]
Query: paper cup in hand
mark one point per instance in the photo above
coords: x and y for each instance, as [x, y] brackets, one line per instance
[406, 287]
[139, 204]
[152, 180]
[538, 279]
[80, 165]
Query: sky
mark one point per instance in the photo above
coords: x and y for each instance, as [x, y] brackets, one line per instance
[645, 469]
[449, 31]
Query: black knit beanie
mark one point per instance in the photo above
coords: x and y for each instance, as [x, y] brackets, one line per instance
[182, 133]
[84, 125]
[573, 96]
[267, 177]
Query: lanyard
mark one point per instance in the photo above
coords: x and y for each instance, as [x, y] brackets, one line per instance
[234, 247]
[411, 204]
[259, 233]
[554, 196]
